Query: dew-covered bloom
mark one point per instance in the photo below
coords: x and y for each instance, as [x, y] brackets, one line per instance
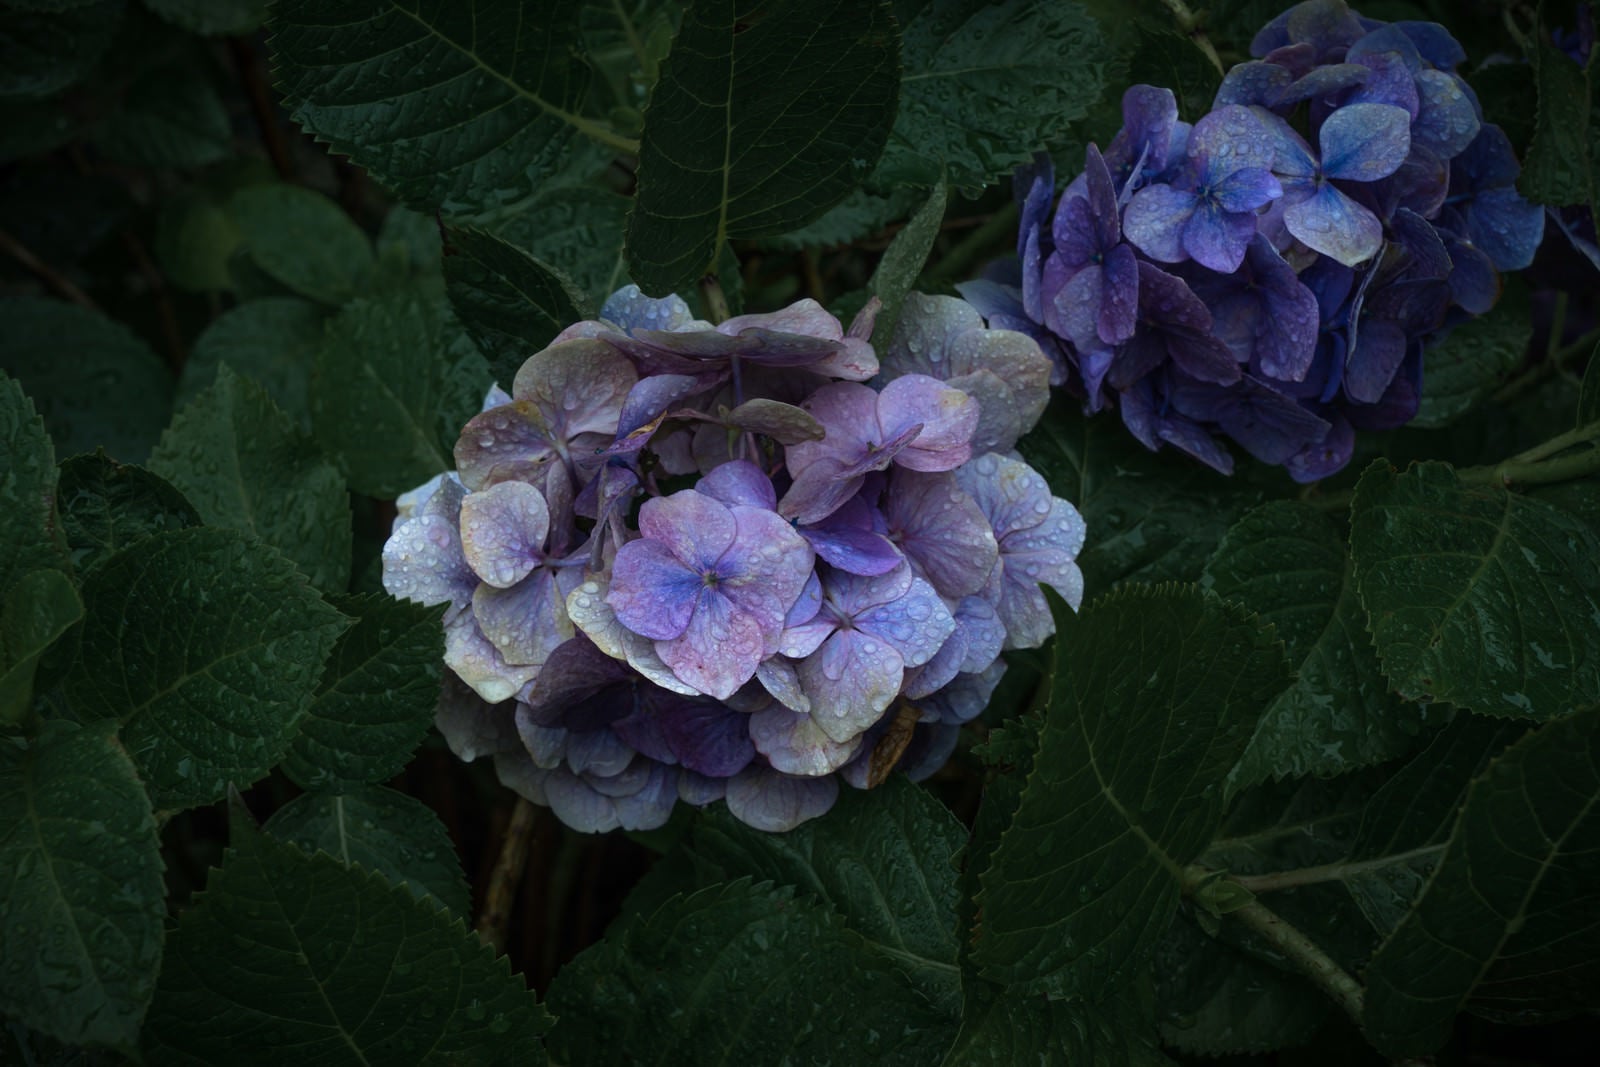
[828, 560]
[1272, 274]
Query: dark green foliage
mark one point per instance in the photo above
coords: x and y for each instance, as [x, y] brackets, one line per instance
[107, 506]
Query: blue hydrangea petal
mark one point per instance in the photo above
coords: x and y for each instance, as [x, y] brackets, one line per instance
[1446, 120]
[1286, 330]
[503, 531]
[503, 443]
[793, 743]
[916, 624]
[576, 387]
[720, 648]
[948, 418]
[1148, 135]
[942, 530]
[423, 562]
[471, 726]
[1246, 189]
[1389, 81]
[1102, 199]
[707, 737]
[528, 621]
[698, 790]
[1292, 159]
[518, 773]
[766, 800]
[1474, 283]
[1505, 227]
[1326, 25]
[589, 610]
[1323, 82]
[1196, 440]
[1217, 238]
[597, 752]
[739, 482]
[1374, 360]
[1365, 142]
[1168, 306]
[807, 604]
[546, 745]
[849, 415]
[1119, 300]
[653, 395]
[780, 680]
[1252, 84]
[1076, 237]
[1029, 295]
[695, 528]
[1387, 40]
[851, 679]
[650, 806]
[765, 569]
[652, 592]
[629, 309]
[852, 549]
[1434, 43]
[1335, 225]
[1489, 162]
[476, 661]
[1074, 309]
[1034, 186]
[1154, 221]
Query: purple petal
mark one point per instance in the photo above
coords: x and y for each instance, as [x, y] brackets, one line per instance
[1506, 227]
[1076, 236]
[765, 569]
[654, 395]
[1246, 189]
[528, 621]
[739, 482]
[720, 648]
[1434, 43]
[423, 562]
[1323, 81]
[1252, 84]
[1335, 225]
[576, 386]
[1446, 120]
[693, 527]
[510, 441]
[1286, 333]
[1376, 357]
[1217, 239]
[652, 592]
[629, 309]
[471, 726]
[794, 744]
[698, 790]
[851, 680]
[597, 752]
[849, 414]
[1365, 142]
[1119, 301]
[503, 530]
[1474, 283]
[947, 416]
[782, 683]
[650, 806]
[1229, 138]
[1149, 116]
[589, 610]
[1155, 220]
[916, 624]
[853, 549]
[1327, 456]
[820, 490]
[761, 797]
[1073, 310]
[965, 698]
[942, 530]
[476, 661]
[1390, 81]
[706, 737]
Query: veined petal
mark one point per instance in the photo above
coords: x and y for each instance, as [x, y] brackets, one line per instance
[759, 796]
[794, 744]
[652, 592]
[1335, 225]
[851, 680]
[503, 530]
[720, 648]
[1155, 219]
[1365, 142]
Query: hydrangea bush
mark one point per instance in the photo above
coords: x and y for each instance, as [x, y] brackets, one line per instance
[695, 562]
[645, 531]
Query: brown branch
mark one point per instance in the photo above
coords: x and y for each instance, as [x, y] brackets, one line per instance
[253, 75]
[53, 279]
[502, 892]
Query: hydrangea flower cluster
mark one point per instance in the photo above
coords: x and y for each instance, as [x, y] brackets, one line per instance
[1272, 273]
[742, 562]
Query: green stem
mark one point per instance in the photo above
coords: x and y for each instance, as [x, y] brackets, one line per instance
[1328, 872]
[716, 300]
[1537, 472]
[1306, 955]
[1546, 368]
[598, 131]
[1189, 23]
[632, 34]
[959, 260]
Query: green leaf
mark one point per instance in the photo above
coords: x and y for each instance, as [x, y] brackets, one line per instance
[1476, 596]
[1465, 368]
[414, 234]
[271, 341]
[757, 127]
[47, 52]
[1215, 1000]
[1339, 713]
[1558, 168]
[398, 836]
[207, 647]
[1151, 516]
[245, 466]
[1589, 394]
[29, 539]
[1006, 1026]
[577, 230]
[1157, 691]
[903, 260]
[80, 881]
[34, 612]
[1508, 917]
[107, 506]
[882, 859]
[113, 393]
[171, 117]
[1162, 56]
[319, 962]
[384, 401]
[303, 240]
[988, 84]
[856, 216]
[376, 698]
[511, 304]
[195, 239]
[214, 18]
[461, 108]
[739, 973]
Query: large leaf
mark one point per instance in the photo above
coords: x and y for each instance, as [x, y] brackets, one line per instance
[290, 956]
[107, 506]
[244, 465]
[398, 836]
[35, 611]
[988, 84]
[171, 117]
[302, 240]
[903, 260]
[212, 16]
[1157, 691]
[760, 122]
[1559, 166]
[385, 400]
[740, 973]
[1007, 1026]
[1339, 714]
[272, 342]
[376, 698]
[113, 392]
[459, 107]
[1467, 366]
[47, 51]
[80, 886]
[1476, 596]
[512, 304]
[207, 646]
[578, 230]
[882, 859]
[28, 536]
[1150, 516]
[1509, 916]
